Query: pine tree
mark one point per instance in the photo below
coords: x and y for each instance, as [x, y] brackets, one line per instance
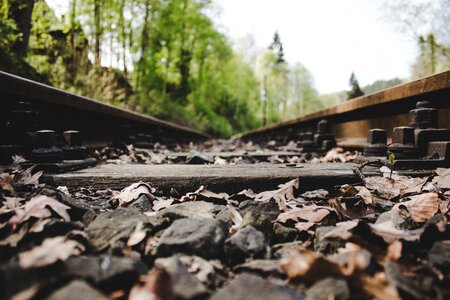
[355, 90]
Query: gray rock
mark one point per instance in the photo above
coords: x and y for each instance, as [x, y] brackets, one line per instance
[283, 234]
[326, 245]
[259, 215]
[329, 288]
[285, 249]
[202, 237]
[196, 210]
[106, 271]
[76, 290]
[245, 243]
[266, 267]
[440, 254]
[251, 287]
[113, 228]
[142, 204]
[198, 158]
[185, 285]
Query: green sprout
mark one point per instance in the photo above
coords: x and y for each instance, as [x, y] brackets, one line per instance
[391, 164]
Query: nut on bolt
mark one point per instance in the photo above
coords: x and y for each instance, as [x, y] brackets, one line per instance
[377, 143]
[46, 150]
[73, 150]
[423, 116]
[403, 146]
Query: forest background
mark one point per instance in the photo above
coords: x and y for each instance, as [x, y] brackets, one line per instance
[166, 58]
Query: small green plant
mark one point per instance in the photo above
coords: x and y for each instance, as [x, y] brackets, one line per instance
[390, 164]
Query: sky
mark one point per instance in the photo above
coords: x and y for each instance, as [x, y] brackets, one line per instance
[332, 38]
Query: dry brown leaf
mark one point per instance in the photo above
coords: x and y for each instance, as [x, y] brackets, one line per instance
[365, 194]
[28, 178]
[6, 182]
[421, 207]
[394, 251]
[204, 194]
[137, 236]
[390, 189]
[133, 192]
[235, 217]
[342, 230]
[282, 195]
[352, 258]
[378, 287]
[442, 181]
[311, 213]
[304, 226]
[390, 233]
[37, 207]
[50, 251]
[157, 285]
[161, 203]
[309, 266]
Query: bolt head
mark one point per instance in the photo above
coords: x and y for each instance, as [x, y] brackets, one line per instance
[377, 136]
[323, 127]
[423, 104]
[72, 138]
[45, 138]
[403, 135]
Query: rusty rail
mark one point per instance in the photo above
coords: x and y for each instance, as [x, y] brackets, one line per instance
[352, 119]
[99, 122]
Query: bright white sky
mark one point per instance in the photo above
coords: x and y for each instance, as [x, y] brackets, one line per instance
[331, 38]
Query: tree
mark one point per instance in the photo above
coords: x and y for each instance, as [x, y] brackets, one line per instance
[355, 90]
[20, 11]
[427, 24]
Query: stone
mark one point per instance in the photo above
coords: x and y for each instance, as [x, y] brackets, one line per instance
[185, 285]
[283, 234]
[329, 288]
[285, 249]
[440, 254]
[265, 267]
[326, 245]
[259, 215]
[198, 158]
[251, 287]
[202, 237]
[113, 228]
[109, 272]
[245, 243]
[196, 210]
[142, 204]
[75, 290]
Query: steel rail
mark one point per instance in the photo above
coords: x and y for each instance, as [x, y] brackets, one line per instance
[65, 110]
[353, 118]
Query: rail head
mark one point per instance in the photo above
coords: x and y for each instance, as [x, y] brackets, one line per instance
[29, 89]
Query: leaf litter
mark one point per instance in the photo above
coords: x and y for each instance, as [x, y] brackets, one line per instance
[382, 238]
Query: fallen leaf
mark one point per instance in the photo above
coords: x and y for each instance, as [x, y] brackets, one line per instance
[442, 181]
[6, 182]
[28, 178]
[390, 189]
[311, 213]
[394, 250]
[282, 195]
[365, 194]
[309, 266]
[133, 192]
[378, 288]
[235, 217]
[38, 207]
[50, 251]
[137, 236]
[157, 285]
[161, 203]
[390, 233]
[421, 207]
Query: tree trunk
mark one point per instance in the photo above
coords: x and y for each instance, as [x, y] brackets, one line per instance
[97, 32]
[123, 37]
[144, 42]
[21, 11]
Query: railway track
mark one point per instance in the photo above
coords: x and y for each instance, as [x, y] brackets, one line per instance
[122, 194]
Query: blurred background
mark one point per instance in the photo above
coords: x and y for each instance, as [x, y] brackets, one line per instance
[224, 66]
